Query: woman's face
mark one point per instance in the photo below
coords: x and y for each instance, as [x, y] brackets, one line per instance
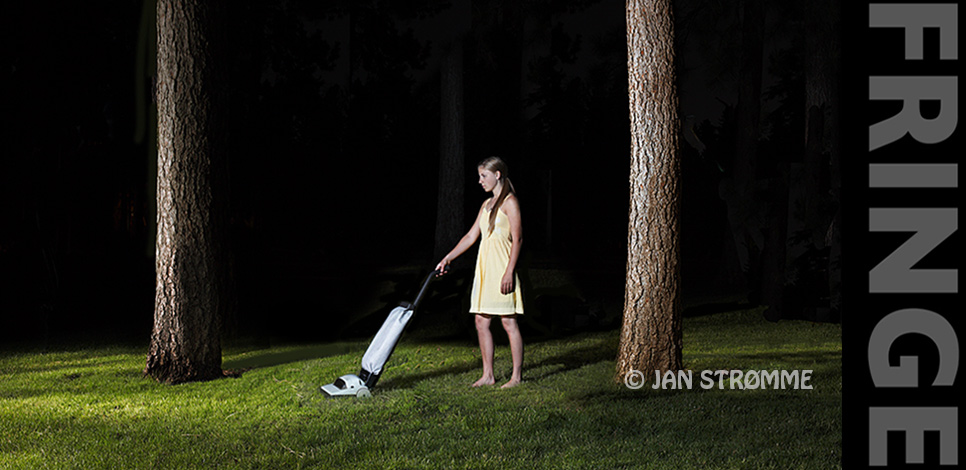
[488, 179]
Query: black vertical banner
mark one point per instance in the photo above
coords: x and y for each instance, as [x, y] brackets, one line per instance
[902, 310]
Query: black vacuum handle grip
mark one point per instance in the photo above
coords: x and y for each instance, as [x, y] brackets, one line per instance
[422, 291]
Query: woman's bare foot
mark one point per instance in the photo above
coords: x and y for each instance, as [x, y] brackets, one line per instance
[512, 383]
[484, 381]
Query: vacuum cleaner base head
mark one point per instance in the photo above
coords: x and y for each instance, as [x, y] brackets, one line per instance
[346, 386]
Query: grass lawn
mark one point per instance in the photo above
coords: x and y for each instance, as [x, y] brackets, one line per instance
[91, 408]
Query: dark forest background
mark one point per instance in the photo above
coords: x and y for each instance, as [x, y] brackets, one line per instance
[334, 157]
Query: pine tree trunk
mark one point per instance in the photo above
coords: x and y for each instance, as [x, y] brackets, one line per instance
[449, 210]
[651, 332]
[185, 344]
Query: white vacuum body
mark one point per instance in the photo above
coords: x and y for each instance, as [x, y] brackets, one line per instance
[376, 356]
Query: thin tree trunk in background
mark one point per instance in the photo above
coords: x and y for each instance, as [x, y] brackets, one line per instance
[146, 106]
[835, 182]
[739, 190]
[536, 40]
[185, 344]
[774, 249]
[449, 209]
[818, 85]
[775, 242]
[651, 331]
[834, 234]
[748, 107]
[820, 199]
[493, 84]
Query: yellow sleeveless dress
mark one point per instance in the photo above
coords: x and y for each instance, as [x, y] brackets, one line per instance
[491, 262]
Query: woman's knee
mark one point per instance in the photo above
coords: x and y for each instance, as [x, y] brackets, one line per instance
[482, 322]
[509, 323]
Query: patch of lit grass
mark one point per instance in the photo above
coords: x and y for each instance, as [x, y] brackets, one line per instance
[91, 408]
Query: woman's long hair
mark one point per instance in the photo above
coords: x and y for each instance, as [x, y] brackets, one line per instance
[495, 164]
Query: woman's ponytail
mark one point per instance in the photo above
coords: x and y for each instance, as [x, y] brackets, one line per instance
[496, 164]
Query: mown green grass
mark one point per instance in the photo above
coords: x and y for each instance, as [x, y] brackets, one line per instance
[91, 408]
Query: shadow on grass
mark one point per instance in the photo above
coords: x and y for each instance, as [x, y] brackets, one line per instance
[270, 359]
[62, 365]
[572, 359]
[567, 360]
[741, 361]
[409, 380]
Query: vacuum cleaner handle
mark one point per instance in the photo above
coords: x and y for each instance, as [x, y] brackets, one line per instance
[422, 291]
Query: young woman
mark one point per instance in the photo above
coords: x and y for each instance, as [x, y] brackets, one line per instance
[496, 287]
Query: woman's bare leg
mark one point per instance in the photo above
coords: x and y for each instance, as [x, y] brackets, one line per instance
[516, 349]
[486, 350]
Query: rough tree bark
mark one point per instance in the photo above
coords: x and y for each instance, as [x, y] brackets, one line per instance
[651, 332]
[185, 344]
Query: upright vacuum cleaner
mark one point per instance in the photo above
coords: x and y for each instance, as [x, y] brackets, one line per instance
[381, 347]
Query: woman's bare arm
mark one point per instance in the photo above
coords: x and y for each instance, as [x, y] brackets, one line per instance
[511, 208]
[464, 244]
